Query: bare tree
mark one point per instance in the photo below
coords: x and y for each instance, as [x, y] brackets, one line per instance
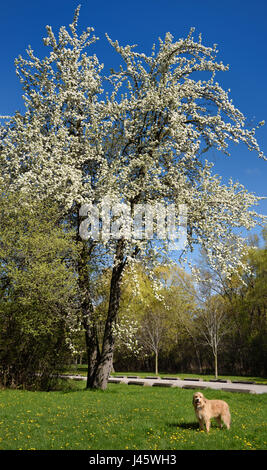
[212, 327]
[152, 334]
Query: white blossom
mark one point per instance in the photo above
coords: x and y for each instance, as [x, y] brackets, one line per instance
[137, 135]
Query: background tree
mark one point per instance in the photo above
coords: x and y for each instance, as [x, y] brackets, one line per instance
[142, 142]
[159, 302]
[213, 325]
[242, 308]
[247, 308]
[39, 297]
[152, 334]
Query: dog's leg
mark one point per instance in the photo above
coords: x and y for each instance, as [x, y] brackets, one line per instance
[219, 421]
[207, 423]
[201, 424]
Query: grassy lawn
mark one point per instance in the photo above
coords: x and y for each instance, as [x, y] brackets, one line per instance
[125, 417]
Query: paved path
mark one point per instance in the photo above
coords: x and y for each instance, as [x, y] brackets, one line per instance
[198, 384]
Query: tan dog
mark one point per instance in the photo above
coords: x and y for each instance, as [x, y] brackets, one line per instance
[206, 409]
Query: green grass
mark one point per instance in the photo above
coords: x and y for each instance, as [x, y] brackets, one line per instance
[125, 417]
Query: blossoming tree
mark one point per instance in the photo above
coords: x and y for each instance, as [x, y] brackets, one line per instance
[135, 136]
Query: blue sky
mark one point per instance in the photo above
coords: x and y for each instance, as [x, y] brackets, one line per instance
[239, 28]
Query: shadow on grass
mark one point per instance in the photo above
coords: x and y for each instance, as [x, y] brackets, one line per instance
[182, 425]
[193, 425]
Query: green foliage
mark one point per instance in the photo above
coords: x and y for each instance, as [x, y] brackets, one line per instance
[248, 313]
[38, 291]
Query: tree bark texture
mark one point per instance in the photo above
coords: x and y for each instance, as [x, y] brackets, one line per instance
[105, 361]
[99, 362]
[87, 308]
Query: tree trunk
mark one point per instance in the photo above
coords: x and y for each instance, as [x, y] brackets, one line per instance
[99, 363]
[216, 365]
[105, 361]
[156, 363]
[93, 354]
[87, 309]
